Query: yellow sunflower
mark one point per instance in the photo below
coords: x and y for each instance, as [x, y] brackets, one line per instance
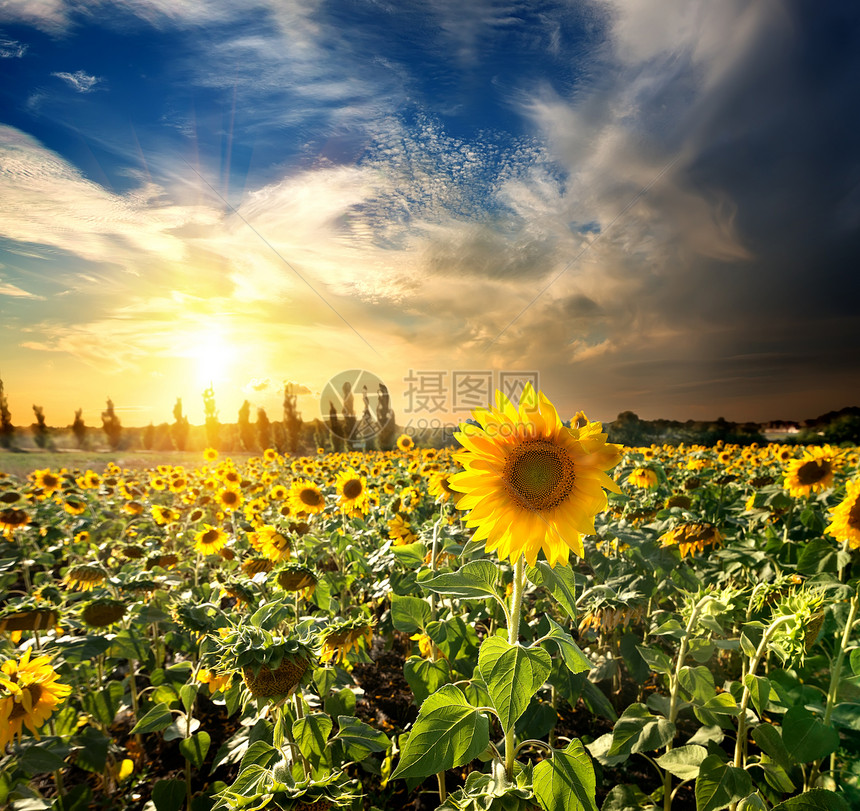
[643, 477]
[230, 499]
[692, 537]
[29, 693]
[530, 483]
[305, 496]
[812, 472]
[47, 481]
[845, 517]
[344, 637]
[209, 540]
[274, 545]
[11, 519]
[85, 576]
[405, 442]
[210, 454]
[400, 531]
[352, 490]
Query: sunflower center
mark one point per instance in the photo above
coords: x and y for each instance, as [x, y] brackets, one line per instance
[352, 489]
[854, 515]
[310, 497]
[209, 537]
[538, 474]
[814, 471]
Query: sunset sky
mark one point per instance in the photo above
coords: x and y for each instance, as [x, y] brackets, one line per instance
[653, 204]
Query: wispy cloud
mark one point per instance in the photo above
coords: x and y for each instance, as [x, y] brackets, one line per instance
[79, 81]
[11, 49]
[14, 291]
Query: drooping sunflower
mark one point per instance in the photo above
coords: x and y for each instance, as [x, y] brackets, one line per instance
[342, 637]
[85, 576]
[11, 519]
[305, 496]
[400, 531]
[210, 540]
[692, 537]
[643, 477]
[845, 517]
[29, 693]
[811, 473]
[530, 483]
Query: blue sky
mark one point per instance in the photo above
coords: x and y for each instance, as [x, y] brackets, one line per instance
[655, 204]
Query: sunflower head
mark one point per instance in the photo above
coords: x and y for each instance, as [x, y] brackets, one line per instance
[342, 637]
[306, 497]
[530, 483]
[12, 519]
[85, 576]
[102, 612]
[405, 442]
[210, 540]
[811, 473]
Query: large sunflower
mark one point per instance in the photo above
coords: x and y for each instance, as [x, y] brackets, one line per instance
[812, 472]
[352, 489]
[29, 693]
[306, 496]
[530, 483]
[845, 523]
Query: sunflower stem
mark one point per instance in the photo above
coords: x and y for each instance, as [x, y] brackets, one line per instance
[835, 678]
[513, 638]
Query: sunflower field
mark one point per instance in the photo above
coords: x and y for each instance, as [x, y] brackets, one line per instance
[535, 619]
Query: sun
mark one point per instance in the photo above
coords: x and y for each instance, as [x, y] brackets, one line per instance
[212, 355]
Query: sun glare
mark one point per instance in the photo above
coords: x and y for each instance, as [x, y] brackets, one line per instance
[211, 355]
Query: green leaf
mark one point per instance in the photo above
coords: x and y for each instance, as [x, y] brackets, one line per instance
[158, 718]
[752, 803]
[806, 737]
[768, 738]
[474, 581]
[194, 749]
[104, 704]
[341, 703]
[684, 761]
[818, 799]
[658, 661]
[513, 674]
[259, 753]
[91, 749]
[425, 676]
[559, 581]
[311, 734]
[181, 728]
[46, 755]
[574, 659]
[719, 785]
[448, 732]
[566, 781]
[411, 555]
[698, 682]
[168, 795]
[187, 694]
[627, 798]
[409, 614]
[818, 556]
[760, 691]
[360, 739]
[855, 661]
[637, 730]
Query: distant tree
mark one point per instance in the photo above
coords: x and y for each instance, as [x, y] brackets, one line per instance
[111, 425]
[7, 430]
[385, 418]
[41, 432]
[79, 429]
[148, 437]
[213, 427]
[264, 429]
[292, 417]
[180, 428]
[627, 429]
[246, 430]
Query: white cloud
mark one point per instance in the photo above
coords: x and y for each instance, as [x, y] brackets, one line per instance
[11, 49]
[79, 81]
[7, 289]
